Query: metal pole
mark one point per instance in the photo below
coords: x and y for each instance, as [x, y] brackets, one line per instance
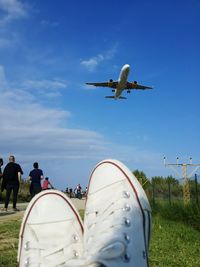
[186, 187]
[185, 176]
[169, 192]
[196, 189]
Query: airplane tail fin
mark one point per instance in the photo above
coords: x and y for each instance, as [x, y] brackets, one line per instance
[113, 97]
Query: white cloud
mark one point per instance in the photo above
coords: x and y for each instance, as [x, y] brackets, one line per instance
[33, 132]
[45, 88]
[93, 62]
[45, 84]
[5, 42]
[12, 9]
[8, 39]
[28, 126]
[3, 81]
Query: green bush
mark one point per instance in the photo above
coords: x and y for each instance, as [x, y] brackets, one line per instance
[188, 214]
[23, 196]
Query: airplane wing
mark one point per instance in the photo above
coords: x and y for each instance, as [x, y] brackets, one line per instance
[137, 86]
[113, 97]
[112, 84]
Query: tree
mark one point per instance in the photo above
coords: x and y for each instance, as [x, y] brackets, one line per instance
[141, 176]
[170, 179]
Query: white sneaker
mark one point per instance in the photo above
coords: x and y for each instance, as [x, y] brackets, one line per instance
[51, 232]
[117, 221]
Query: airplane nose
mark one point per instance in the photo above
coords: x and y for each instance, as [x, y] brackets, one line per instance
[126, 66]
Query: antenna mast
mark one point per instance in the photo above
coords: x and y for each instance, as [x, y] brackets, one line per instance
[184, 175]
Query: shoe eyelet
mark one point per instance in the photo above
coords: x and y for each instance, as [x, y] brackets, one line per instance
[75, 238]
[126, 194]
[127, 222]
[75, 253]
[26, 246]
[126, 258]
[126, 207]
[27, 262]
[127, 238]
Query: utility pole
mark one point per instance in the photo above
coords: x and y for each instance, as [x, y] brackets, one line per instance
[184, 175]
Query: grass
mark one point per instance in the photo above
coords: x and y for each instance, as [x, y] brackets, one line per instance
[9, 231]
[173, 243]
[189, 214]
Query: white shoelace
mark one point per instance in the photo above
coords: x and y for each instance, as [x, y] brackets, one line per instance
[44, 259]
[102, 224]
[107, 216]
[46, 253]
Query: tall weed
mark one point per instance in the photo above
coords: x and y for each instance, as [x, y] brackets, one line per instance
[187, 214]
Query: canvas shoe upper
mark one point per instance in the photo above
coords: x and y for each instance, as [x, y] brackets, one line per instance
[51, 232]
[117, 221]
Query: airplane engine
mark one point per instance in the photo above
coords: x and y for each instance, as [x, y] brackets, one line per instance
[110, 83]
[135, 82]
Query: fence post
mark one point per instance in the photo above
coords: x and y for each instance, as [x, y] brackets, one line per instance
[169, 192]
[196, 189]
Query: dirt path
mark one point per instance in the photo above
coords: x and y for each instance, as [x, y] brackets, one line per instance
[11, 215]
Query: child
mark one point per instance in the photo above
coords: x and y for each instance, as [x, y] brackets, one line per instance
[46, 184]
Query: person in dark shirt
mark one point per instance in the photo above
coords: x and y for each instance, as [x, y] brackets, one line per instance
[35, 176]
[1, 175]
[11, 180]
[1, 164]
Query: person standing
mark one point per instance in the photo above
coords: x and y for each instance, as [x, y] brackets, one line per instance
[1, 175]
[70, 193]
[35, 176]
[11, 180]
[1, 164]
[78, 191]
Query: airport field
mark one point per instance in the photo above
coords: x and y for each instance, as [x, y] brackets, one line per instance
[174, 243]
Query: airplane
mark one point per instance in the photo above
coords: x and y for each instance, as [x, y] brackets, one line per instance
[122, 84]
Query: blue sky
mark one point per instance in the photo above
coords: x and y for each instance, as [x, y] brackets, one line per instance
[49, 49]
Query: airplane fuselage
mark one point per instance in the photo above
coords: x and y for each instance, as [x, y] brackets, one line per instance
[122, 81]
[121, 84]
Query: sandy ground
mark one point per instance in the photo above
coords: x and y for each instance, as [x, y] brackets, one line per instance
[11, 215]
[78, 203]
